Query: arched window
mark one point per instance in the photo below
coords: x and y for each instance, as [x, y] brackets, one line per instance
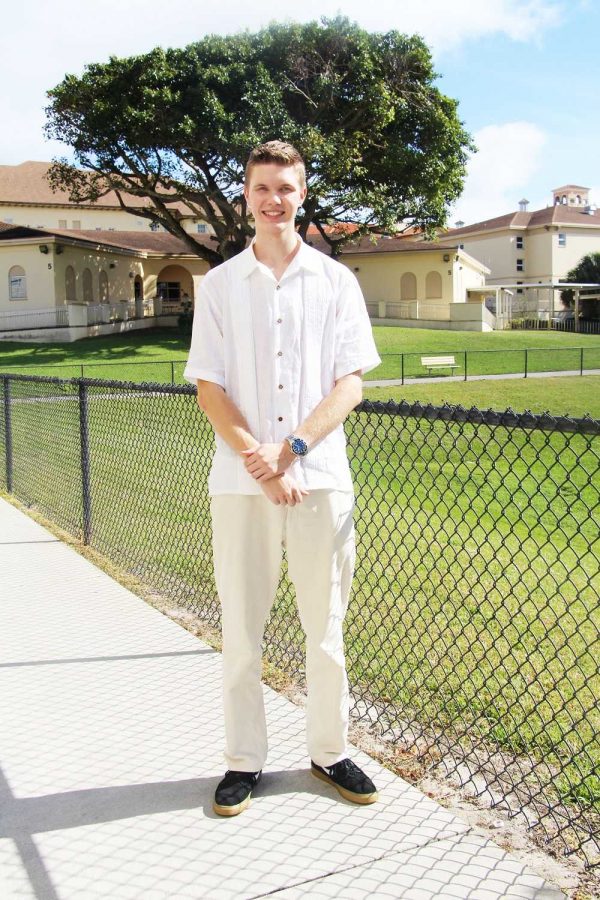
[408, 286]
[17, 284]
[103, 287]
[433, 285]
[564, 199]
[88, 293]
[70, 285]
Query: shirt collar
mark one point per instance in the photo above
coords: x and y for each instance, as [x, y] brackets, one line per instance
[306, 258]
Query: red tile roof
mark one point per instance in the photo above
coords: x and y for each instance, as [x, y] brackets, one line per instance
[150, 241]
[559, 214]
[167, 244]
[27, 183]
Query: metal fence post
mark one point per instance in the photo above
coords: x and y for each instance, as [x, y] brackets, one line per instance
[525, 362]
[85, 462]
[8, 447]
[465, 365]
[402, 366]
[581, 362]
[172, 372]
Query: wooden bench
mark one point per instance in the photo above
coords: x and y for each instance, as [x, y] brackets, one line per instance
[438, 362]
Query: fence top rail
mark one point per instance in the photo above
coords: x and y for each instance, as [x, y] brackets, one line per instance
[101, 362]
[490, 350]
[507, 418]
[142, 387]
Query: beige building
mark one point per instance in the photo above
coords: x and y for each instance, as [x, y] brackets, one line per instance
[425, 285]
[536, 247]
[26, 198]
[61, 285]
[71, 284]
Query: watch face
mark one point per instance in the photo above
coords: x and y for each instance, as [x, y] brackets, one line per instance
[299, 447]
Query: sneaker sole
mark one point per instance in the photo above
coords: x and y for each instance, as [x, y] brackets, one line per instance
[363, 799]
[232, 810]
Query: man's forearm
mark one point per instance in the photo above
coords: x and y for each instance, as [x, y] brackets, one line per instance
[332, 410]
[224, 416]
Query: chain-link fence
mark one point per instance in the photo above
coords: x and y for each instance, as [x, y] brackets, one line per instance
[473, 634]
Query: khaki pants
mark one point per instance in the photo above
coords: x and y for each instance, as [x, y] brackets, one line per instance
[249, 533]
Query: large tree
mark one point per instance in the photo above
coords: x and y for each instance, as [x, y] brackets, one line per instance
[384, 146]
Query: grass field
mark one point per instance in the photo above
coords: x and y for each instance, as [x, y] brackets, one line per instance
[475, 606]
[573, 396]
[147, 356]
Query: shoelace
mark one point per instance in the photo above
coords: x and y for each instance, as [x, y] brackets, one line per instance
[233, 777]
[343, 766]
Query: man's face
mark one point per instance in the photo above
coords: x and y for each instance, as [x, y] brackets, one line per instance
[274, 194]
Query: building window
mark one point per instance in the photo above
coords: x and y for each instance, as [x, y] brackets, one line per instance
[77, 224]
[8, 220]
[519, 290]
[169, 290]
[70, 284]
[201, 228]
[519, 242]
[62, 223]
[154, 226]
[520, 265]
[103, 287]
[433, 286]
[408, 286]
[562, 240]
[88, 293]
[17, 284]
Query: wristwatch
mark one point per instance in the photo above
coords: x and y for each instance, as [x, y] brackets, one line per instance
[297, 445]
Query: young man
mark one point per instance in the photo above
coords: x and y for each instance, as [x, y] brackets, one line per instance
[280, 339]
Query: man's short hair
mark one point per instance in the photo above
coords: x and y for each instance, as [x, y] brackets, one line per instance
[276, 152]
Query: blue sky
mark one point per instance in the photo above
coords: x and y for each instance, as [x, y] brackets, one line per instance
[525, 72]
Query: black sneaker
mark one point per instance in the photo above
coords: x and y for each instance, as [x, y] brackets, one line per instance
[234, 791]
[351, 782]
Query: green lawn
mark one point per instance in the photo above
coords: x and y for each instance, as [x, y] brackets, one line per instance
[573, 396]
[146, 355]
[475, 604]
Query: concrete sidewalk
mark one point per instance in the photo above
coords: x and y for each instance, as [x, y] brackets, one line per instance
[439, 379]
[111, 750]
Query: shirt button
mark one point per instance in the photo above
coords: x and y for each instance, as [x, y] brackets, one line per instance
[280, 353]
[278, 287]
[280, 387]
[280, 418]
[279, 321]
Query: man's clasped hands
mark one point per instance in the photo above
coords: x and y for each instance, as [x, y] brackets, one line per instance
[268, 464]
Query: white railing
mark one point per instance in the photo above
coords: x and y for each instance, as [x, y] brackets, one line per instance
[53, 317]
[414, 309]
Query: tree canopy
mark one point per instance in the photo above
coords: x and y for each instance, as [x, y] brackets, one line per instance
[587, 271]
[384, 147]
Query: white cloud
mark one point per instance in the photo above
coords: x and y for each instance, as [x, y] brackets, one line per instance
[508, 157]
[445, 25]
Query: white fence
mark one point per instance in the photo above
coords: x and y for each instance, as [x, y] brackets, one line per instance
[56, 317]
[74, 314]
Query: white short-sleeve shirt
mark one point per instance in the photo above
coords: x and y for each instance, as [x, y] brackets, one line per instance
[277, 349]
